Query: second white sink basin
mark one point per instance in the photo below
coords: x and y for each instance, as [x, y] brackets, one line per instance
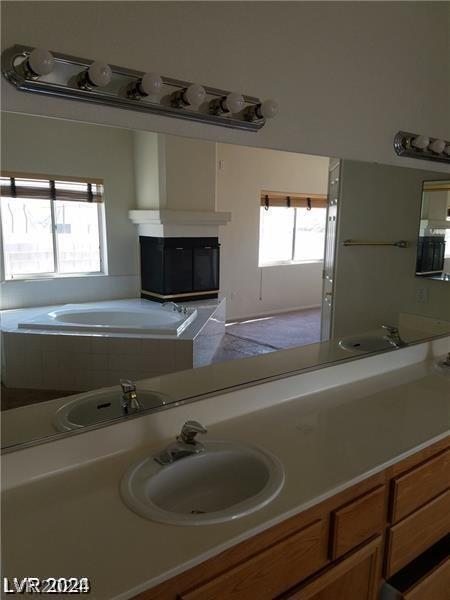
[100, 406]
[226, 481]
[365, 343]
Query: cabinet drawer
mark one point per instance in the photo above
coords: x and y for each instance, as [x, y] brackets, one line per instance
[416, 533]
[416, 487]
[355, 578]
[357, 521]
[435, 586]
[271, 572]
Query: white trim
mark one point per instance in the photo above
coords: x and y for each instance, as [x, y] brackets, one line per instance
[313, 261]
[178, 217]
[47, 276]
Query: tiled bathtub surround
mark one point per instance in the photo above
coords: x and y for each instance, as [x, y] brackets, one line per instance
[71, 361]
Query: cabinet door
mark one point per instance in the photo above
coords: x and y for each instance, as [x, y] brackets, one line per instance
[355, 578]
[206, 268]
[177, 270]
[270, 572]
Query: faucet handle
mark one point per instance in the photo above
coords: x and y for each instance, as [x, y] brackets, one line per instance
[390, 328]
[189, 430]
[127, 385]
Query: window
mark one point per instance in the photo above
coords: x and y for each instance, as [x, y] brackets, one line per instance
[293, 232]
[51, 227]
[447, 241]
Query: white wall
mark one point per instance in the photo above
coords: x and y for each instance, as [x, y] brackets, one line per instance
[37, 145]
[190, 174]
[374, 284]
[244, 172]
[149, 182]
[174, 172]
[347, 75]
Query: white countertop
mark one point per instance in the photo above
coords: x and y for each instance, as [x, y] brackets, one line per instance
[72, 522]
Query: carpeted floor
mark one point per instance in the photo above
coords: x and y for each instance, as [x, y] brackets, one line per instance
[268, 334]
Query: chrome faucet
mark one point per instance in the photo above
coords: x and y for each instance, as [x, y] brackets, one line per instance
[185, 444]
[129, 400]
[393, 336]
[175, 307]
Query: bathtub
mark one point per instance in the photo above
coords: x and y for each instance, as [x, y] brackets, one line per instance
[81, 347]
[120, 316]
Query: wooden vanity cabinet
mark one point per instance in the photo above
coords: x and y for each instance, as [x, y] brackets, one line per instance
[341, 549]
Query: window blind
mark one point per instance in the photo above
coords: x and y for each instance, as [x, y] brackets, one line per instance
[271, 199]
[77, 190]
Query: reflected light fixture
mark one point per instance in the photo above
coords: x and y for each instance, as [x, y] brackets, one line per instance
[414, 145]
[421, 142]
[437, 146]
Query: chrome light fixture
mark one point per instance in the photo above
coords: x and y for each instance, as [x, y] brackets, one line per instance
[415, 145]
[40, 71]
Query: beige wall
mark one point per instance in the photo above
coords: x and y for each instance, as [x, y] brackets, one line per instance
[174, 172]
[149, 182]
[374, 284]
[37, 145]
[243, 172]
[190, 174]
[347, 75]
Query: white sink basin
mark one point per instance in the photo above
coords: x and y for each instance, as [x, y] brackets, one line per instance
[225, 482]
[99, 406]
[365, 343]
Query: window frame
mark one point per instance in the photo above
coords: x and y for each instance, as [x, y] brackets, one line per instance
[291, 261]
[55, 274]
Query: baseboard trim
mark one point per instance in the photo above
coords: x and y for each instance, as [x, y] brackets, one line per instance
[208, 295]
[272, 313]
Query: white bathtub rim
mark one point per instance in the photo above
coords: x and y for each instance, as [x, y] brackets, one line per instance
[51, 320]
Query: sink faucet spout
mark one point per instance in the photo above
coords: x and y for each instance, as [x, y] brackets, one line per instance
[185, 444]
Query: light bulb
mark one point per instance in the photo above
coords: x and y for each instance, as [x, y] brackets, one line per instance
[268, 109]
[437, 146]
[41, 61]
[99, 74]
[421, 142]
[234, 102]
[151, 84]
[194, 95]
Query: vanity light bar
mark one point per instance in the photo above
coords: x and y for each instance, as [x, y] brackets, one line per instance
[40, 71]
[415, 145]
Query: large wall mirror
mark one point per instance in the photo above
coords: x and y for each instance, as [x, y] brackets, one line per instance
[433, 247]
[183, 267]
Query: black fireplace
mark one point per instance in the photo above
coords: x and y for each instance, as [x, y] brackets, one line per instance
[179, 268]
[430, 255]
